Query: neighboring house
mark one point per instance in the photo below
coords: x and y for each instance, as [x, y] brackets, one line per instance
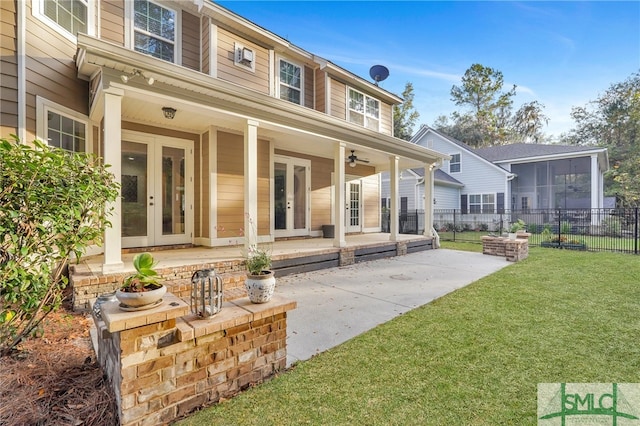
[215, 127]
[509, 177]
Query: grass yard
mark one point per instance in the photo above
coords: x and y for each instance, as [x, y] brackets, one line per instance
[473, 357]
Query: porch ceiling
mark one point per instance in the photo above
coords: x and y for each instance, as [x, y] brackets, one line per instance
[203, 101]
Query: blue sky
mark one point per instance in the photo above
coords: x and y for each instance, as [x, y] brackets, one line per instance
[561, 54]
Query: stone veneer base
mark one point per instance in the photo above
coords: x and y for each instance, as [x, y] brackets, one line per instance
[165, 362]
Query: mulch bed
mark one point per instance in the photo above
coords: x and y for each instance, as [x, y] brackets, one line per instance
[55, 379]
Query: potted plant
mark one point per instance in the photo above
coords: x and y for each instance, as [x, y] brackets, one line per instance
[260, 282]
[142, 289]
[517, 226]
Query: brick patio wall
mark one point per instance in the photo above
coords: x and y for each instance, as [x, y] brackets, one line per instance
[512, 250]
[164, 363]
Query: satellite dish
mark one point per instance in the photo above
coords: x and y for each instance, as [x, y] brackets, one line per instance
[378, 73]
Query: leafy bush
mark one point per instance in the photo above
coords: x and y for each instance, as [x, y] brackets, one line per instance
[565, 227]
[612, 226]
[52, 206]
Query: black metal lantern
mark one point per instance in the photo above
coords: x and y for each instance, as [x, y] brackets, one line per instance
[206, 293]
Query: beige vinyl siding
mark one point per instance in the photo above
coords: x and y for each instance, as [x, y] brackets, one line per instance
[190, 41]
[308, 87]
[386, 117]
[338, 99]
[320, 91]
[112, 21]
[8, 70]
[206, 38]
[230, 189]
[227, 70]
[371, 201]
[51, 71]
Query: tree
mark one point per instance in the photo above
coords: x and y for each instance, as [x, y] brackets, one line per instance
[486, 118]
[405, 115]
[52, 205]
[613, 121]
[488, 107]
[528, 122]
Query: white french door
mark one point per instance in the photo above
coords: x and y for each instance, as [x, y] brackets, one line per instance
[291, 177]
[157, 190]
[353, 216]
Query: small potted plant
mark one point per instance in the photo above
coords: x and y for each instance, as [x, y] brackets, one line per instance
[260, 282]
[142, 289]
[517, 226]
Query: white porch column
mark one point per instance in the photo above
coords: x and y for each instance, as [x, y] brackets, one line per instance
[394, 179]
[427, 203]
[596, 187]
[339, 200]
[112, 140]
[251, 183]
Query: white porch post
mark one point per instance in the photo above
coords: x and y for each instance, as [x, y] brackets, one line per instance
[339, 200]
[251, 183]
[394, 178]
[427, 203]
[596, 195]
[112, 140]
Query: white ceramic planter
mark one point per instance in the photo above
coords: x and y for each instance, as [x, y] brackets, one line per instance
[142, 299]
[260, 288]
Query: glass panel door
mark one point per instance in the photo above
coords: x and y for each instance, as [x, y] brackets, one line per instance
[353, 207]
[291, 196]
[156, 192]
[280, 195]
[134, 190]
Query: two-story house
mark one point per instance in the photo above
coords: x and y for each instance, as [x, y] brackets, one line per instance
[216, 128]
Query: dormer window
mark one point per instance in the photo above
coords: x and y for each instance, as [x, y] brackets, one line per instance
[290, 88]
[364, 110]
[154, 30]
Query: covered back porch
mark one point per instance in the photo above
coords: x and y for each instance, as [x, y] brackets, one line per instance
[177, 264]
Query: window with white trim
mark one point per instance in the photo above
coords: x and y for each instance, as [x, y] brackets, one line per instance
[363, 110]
[482, 203]
[68, 17]
[154, 30]
[454, 163]
[290, 88]
[62, 127]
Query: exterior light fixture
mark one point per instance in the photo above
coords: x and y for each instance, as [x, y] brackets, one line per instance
[137, 73]
[169, 113]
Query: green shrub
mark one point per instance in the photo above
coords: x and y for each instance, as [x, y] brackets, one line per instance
[52, 206]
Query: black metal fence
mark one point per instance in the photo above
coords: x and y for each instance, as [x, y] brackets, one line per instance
[410, 222]
[578, 229]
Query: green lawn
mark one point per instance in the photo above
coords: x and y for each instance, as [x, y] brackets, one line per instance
[473, 357]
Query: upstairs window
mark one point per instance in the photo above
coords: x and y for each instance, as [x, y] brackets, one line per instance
[290, 82]
[454, 163]
[364, 110]
[68, 17]
[154, 30]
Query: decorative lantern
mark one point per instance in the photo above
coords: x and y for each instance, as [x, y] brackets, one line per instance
[206, 293]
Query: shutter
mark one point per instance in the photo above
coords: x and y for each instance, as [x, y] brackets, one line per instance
[463, 204]
[500, 202]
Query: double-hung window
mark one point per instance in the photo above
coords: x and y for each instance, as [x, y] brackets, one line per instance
[454, 163]
[290, 82]
[68, 17]
[364, 110]
[154, 30]
[482, 203]
[61, 127]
